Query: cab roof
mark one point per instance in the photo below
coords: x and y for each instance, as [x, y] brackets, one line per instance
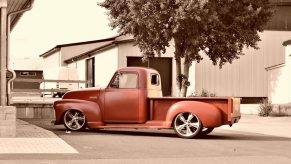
[142, 69]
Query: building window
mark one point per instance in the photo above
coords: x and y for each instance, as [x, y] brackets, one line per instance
[27, 73]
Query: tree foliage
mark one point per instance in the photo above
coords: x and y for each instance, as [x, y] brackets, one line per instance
[219, 28]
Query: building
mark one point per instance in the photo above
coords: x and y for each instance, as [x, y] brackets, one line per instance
[98, 64]
[54, 58]
[27, 69]
[250, 77]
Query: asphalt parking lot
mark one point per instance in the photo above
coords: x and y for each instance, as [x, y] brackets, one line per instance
[245, 142]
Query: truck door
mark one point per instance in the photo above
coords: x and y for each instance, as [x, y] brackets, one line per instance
[122, 99]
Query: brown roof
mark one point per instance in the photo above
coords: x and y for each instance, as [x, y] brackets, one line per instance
[286, 43]
[57, 47]
[103, 45]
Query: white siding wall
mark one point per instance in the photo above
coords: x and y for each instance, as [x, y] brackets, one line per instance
[106, 63]
[125, 50]
[247, 76]
[81, 71]
[51, 65]
[279, 80]
[191, 88]
[271, 46]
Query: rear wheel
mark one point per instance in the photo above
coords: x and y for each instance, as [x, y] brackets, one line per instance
[187, 125]
[74, 120]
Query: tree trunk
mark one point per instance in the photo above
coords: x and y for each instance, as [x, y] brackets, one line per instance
[182, 77]
[178, 73]
[178, 52]
[185, 82]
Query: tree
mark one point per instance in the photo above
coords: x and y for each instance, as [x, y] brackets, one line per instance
[218, 28]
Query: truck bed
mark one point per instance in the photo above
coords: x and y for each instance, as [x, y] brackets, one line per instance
[159, 106]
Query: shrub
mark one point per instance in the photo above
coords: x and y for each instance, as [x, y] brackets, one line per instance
[265, 108]
[204, 93]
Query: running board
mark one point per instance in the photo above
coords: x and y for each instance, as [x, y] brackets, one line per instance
[147, 125]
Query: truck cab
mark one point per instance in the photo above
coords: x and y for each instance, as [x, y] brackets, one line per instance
[128, 93]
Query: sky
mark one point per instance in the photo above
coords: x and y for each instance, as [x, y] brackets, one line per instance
[53, 22]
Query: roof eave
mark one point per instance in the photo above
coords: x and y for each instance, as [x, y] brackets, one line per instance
[49, 52]
[86, 42]
[58, 47]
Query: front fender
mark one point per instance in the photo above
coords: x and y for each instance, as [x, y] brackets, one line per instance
[90, 109]
[209, 115]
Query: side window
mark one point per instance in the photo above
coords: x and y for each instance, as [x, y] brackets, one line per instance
[155, 79]
[124, 80]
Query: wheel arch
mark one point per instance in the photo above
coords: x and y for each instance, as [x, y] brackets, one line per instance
[90, 109]
[209, 115]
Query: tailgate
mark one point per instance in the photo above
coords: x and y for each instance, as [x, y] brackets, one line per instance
[235, 108]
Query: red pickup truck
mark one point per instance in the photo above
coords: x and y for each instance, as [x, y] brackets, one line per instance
[133, 99]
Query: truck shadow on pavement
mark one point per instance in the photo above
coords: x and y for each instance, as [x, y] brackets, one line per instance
[219, 135]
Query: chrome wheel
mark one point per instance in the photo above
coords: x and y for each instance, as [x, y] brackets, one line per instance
[74, 120]
[187, 125]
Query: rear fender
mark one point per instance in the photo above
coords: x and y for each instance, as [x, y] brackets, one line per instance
[209, 115]
[90, 109]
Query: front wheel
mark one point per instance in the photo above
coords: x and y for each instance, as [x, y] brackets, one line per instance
[74, 120]
[187, 125]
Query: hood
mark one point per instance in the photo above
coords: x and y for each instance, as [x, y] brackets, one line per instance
[83, 94]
